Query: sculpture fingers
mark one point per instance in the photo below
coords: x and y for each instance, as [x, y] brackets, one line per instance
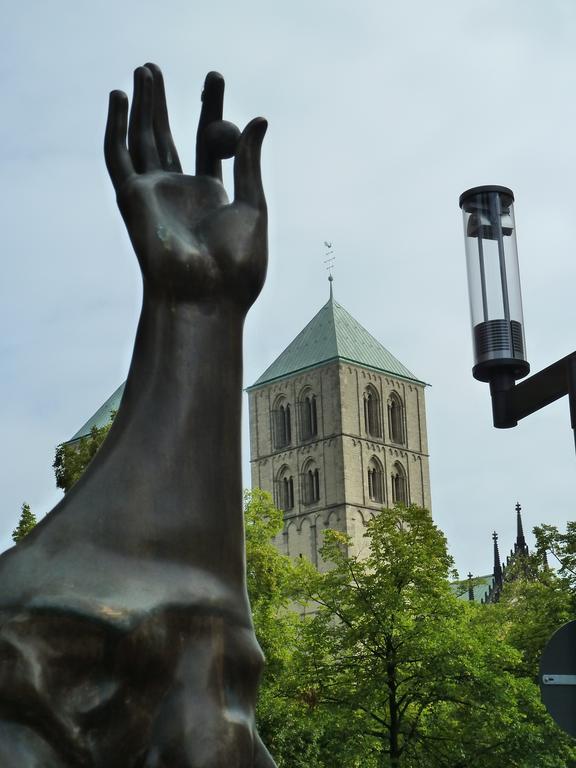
[247, 173]
[207, 162]
[164, 142]
[116, 153]
[141, 140]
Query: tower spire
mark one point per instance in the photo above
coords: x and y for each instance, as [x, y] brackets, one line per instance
[329, 261]
[520, 547]
[497, 573]
[470, 587]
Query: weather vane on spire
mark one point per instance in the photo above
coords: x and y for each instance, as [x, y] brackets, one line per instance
[329, 261]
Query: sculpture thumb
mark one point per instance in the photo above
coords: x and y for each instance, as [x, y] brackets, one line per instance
[247, 174]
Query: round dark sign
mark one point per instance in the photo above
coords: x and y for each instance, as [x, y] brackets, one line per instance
[558, 677]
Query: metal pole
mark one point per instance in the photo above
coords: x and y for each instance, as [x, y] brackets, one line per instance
[482, 278]
[496, 216]
[571, 366]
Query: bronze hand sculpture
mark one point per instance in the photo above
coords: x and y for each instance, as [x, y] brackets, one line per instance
[126, 638]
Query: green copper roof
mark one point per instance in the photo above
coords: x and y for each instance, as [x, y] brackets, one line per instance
[480, 588]
[102, 415]
[331, 335]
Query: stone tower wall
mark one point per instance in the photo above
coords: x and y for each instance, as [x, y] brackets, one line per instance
[341, 451]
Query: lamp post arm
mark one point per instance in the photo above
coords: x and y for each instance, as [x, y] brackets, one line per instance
[512, 402]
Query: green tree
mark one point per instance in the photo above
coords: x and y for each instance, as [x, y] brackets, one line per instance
[69, 463]
[534, 603]
[72, 459]
[26, 523]
[562, 548]
[414, 676]
[283, 720]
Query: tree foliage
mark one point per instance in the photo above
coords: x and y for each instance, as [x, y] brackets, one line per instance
[272, 580]
[562, 548]
[415, 676]
[72, 458]
[535, 602]
[26, 523]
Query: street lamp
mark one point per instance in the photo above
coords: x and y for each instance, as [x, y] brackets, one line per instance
[496, 313]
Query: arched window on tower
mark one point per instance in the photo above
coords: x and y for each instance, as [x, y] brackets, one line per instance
[375, 480]
[285, 490]
[310, 483]
[281, 424]
[308, 415]
[399, 484]
[396, 418]
[372, 412]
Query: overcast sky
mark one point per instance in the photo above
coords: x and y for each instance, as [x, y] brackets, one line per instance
[380, 115]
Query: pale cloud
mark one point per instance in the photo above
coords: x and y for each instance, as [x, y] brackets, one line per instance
[381, 114]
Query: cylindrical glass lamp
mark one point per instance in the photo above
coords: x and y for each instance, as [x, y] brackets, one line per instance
[494, 283]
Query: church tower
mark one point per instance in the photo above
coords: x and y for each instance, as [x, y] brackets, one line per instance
[337, 431]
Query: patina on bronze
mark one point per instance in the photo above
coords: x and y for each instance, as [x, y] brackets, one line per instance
[126, 638]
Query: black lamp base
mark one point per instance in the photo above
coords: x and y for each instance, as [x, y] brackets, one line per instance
[493, 369]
